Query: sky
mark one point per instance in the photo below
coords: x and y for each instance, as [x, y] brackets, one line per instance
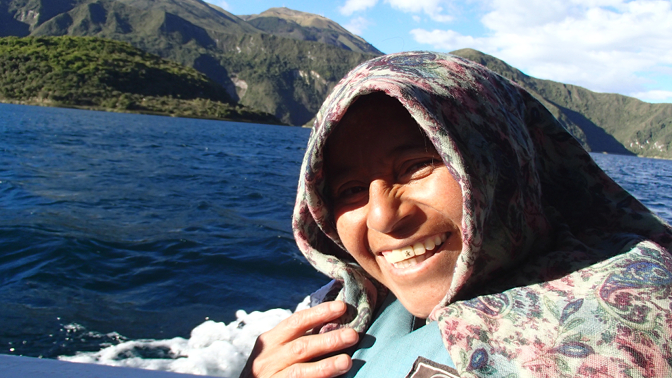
[612, 46]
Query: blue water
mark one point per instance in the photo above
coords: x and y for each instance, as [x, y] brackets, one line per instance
[144, 226]
[141, 225]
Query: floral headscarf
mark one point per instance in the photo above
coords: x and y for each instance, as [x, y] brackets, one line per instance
[561, 273]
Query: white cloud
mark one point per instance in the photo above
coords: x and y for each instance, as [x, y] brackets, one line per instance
[357, 25]
[598, 44]
[654, 96]
[221, 3]
[352, 6]
[447, 39]
[431, 8]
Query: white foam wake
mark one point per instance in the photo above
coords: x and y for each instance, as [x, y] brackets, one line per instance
[214, 348]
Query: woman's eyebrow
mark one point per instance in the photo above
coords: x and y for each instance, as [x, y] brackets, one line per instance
[412, 148]
[341, 172]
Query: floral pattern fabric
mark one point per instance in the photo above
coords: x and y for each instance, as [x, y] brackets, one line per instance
[562, 273]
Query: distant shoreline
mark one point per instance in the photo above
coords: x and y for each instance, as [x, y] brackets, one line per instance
[639, 156]
[52, 104]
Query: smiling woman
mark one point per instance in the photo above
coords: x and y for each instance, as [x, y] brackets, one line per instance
[468, 234]
[398, 211]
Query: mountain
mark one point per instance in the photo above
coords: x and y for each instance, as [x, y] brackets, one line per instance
[24, 16]
[285, 62]
[286, 77]
[18, 18]
[96, 73]
[603, 122]
[303, 26]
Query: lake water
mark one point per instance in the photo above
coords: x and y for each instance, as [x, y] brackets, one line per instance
[119, 227]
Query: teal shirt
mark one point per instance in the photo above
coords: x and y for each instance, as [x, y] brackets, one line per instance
[391, 346]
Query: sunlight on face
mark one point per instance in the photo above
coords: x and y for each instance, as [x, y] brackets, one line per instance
[398, 210]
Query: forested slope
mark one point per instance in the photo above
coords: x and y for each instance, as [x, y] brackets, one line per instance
[104, 74]
[604, 122]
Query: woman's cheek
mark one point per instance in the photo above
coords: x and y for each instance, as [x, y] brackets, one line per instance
[346, 226]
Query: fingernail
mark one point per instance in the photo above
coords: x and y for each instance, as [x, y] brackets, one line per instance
[342, 363]
[336, 306]
[349, 336]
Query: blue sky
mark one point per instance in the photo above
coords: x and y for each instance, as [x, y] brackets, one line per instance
[614, 46]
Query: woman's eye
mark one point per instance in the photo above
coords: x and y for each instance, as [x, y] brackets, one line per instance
[417, 169]
[351, 191]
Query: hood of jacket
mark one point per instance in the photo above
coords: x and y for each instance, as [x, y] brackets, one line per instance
[536, 208]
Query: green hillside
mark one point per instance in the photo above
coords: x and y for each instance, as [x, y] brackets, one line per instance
[103, 74]
[285, 62]
[603, 122]
[303, 26]
[286, 77]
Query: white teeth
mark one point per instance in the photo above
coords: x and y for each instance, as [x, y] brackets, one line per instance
[429, 244]
[407, 252]
[410, 262]
[419, 249]
[398, 256]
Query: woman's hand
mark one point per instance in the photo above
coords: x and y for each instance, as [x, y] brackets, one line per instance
[285, 351]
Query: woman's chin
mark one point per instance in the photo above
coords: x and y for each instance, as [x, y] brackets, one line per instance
[419, 304]
[422, 285]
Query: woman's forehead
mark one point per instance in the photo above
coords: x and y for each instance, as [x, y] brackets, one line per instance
[373, 117]
[374, 132]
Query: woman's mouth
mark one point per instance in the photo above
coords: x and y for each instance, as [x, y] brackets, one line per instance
[414, 254]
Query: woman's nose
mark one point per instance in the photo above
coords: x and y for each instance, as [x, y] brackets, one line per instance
[384, 208]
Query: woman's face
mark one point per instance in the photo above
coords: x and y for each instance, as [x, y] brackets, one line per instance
[398, 211]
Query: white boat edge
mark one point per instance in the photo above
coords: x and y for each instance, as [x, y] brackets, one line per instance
[31, 367]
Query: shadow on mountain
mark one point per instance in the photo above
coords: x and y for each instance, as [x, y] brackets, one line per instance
[186, 31]
[11, 27]
[596, 137]
[214, 70]
[97, 13]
